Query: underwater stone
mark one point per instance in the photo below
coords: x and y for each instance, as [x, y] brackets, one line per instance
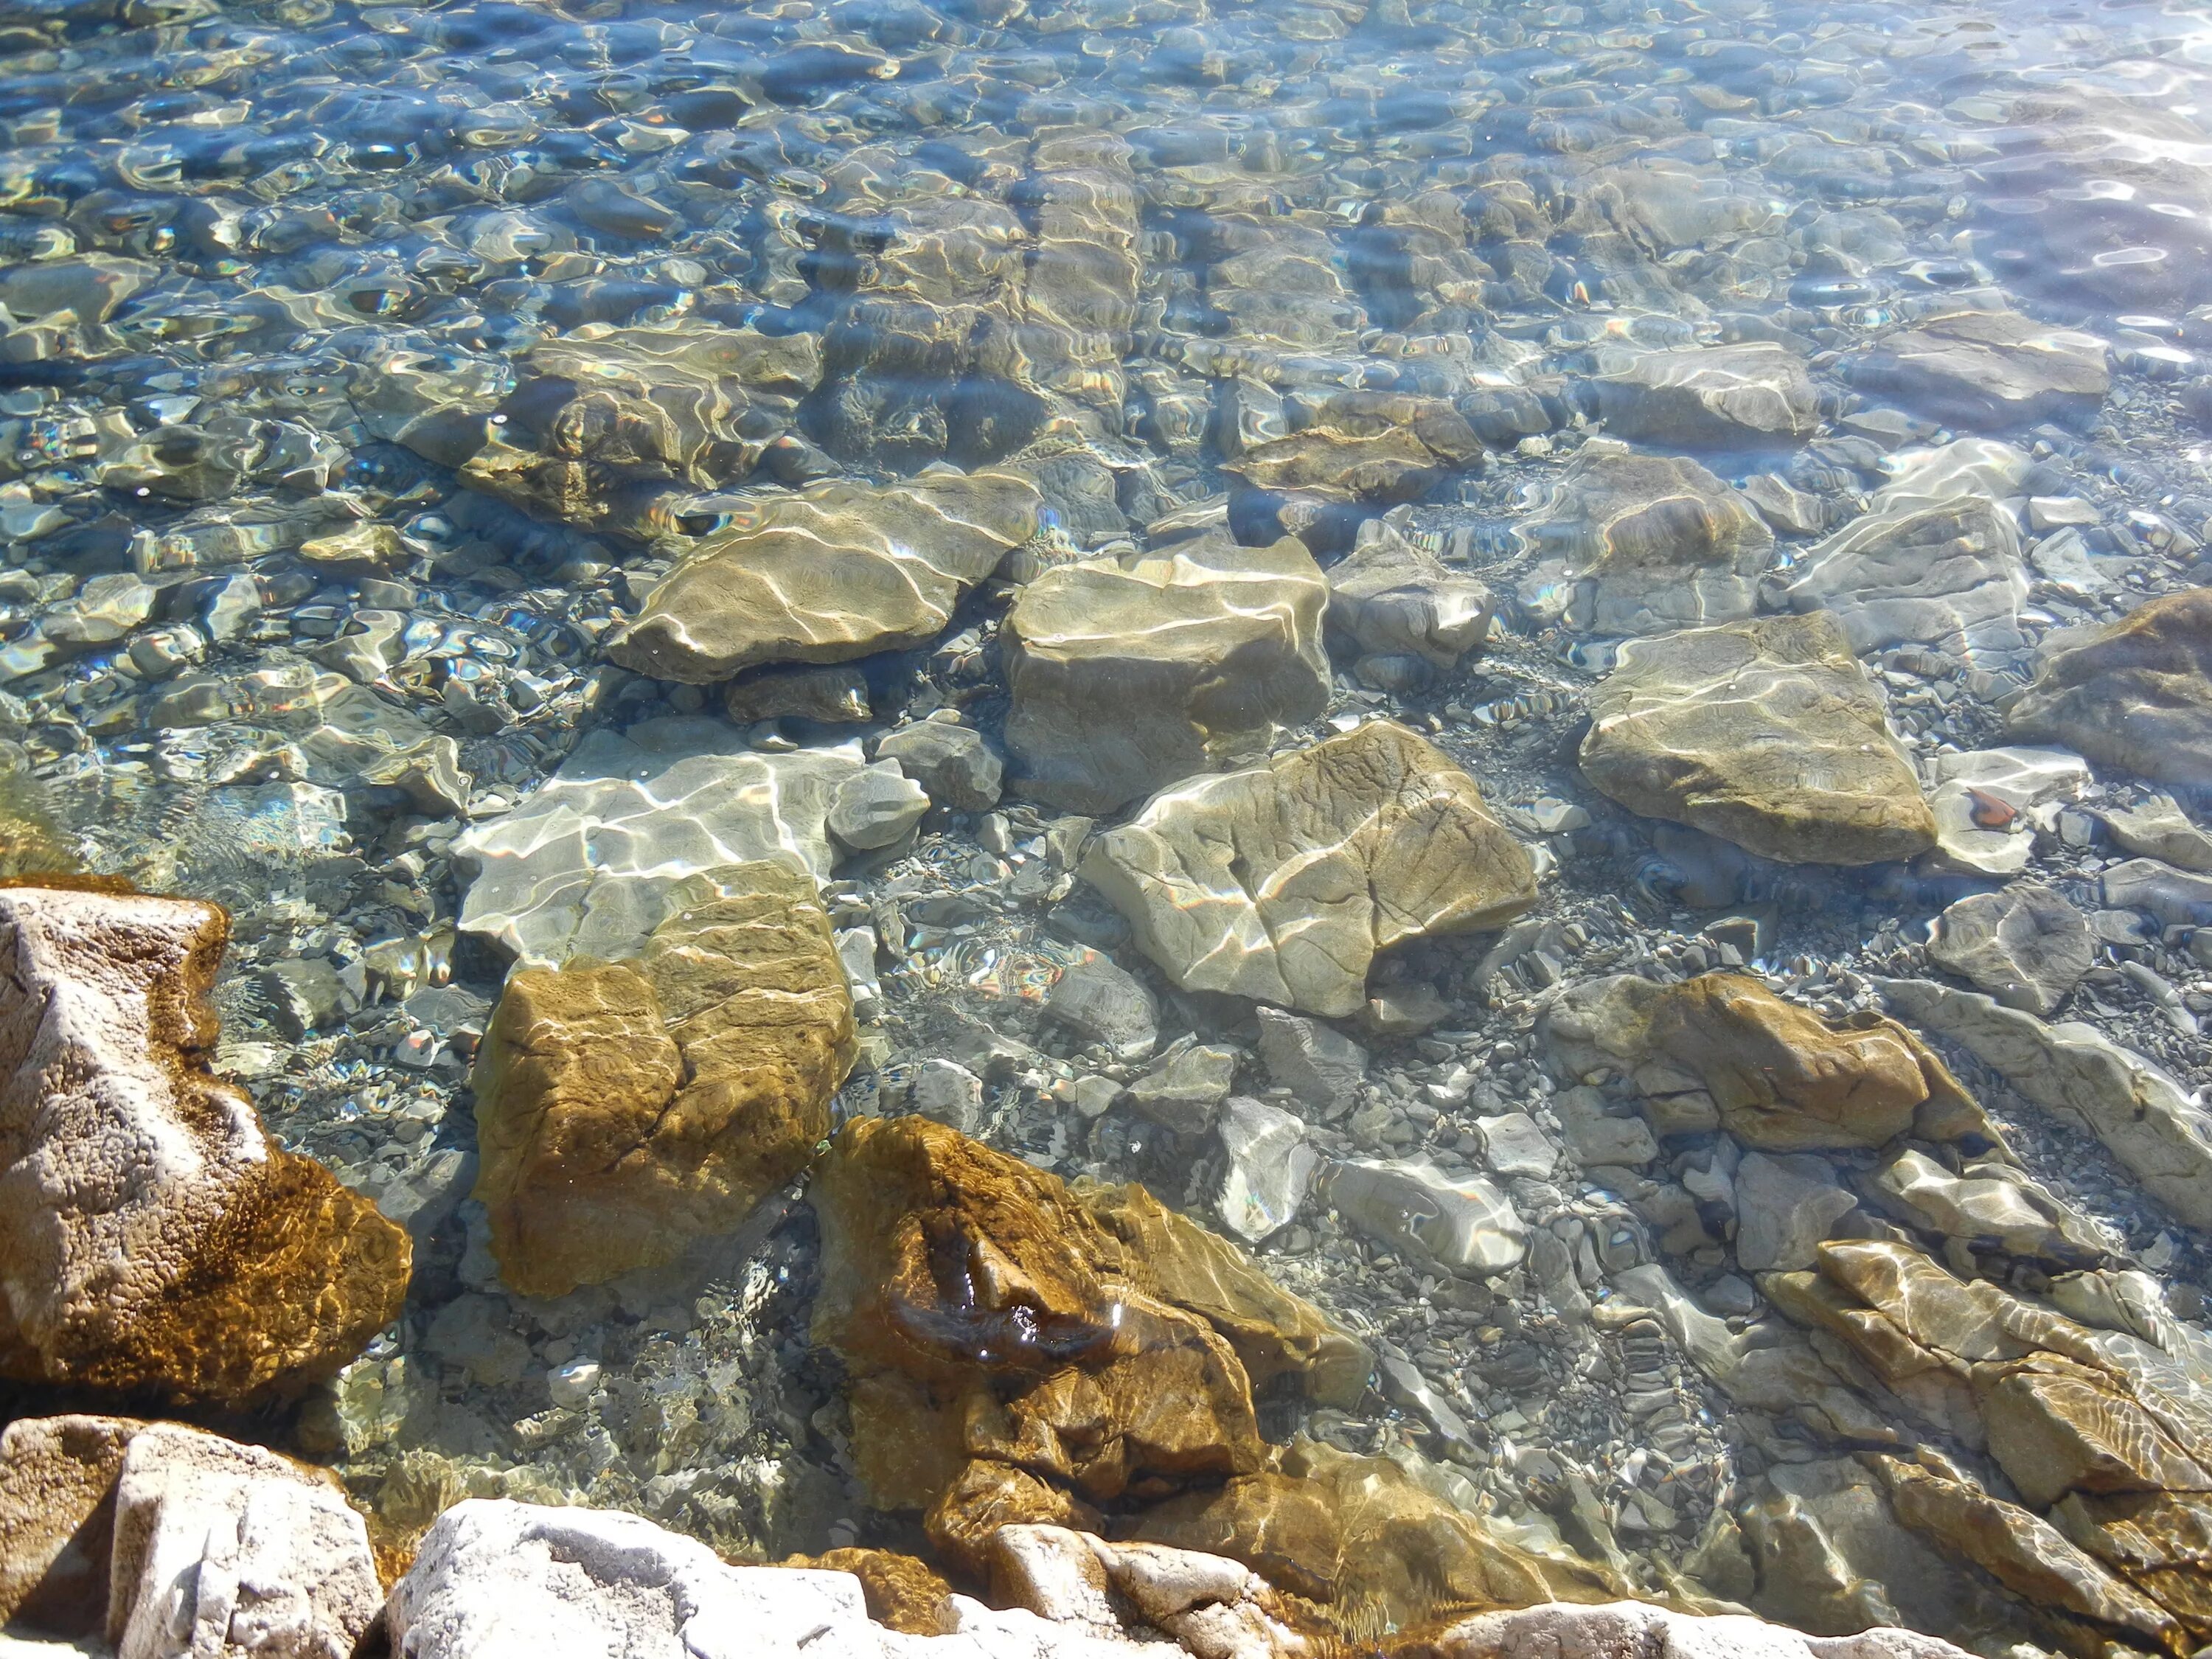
[152, 1235]
[626, 1109]
[1271, 1169]
[1129, 677]
[1109, 1005]
[1987, 369]
[837, 571]
[1282, 883]
[1766, 733]
[954, 764]
[2026, 946]
[2135, 694]
[1707, 396]
[1389, 597]
[1462, 1224]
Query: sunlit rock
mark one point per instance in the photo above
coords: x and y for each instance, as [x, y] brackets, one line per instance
[585, 865]
[1127, 678]
[836, 571]
[1707, 396]
[1462, 1224]
[2136, 694]
[1281, 883]
[152, 1236]
[1988, 369]
[625, 1109]
[1390, 597]
[2026, 946]
[1766, 733]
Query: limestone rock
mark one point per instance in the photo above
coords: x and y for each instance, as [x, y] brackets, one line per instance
[873, 807]
[1209, 1605]
[1184, 1088]
[1271, 1168]
[1722, 1051]
[1992, 1206]
[1784, 1207]
[1320, 1066]
[1461, 1224]
[1987, 369]
[2160, 829]
[1390, 597]
[1621, 1629]
[1044, 1343]
[952, 762]
[838, 570]
[152, 1235]
[1387, 463]
[1282, 882]
[626, 1109]
[2135, 694]
[834, 693]
[1767, 734]
[2147, 1120]
[1727, 396]
[166, 1542]
[2026, 946]
[584, 866]
[1947, 573]
[1982, 798]
[1127, 678]
[1630, 543]
[1108, 1005]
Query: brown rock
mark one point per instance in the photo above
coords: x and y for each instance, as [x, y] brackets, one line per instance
[152, 1236]
[901, 1592]
[2136, 694]
[58, 1519]
[1284, 1530]
[625, 1109]
[988, 1496]
[980, 1307]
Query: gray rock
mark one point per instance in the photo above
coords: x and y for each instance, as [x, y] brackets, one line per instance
[2160, 829]
[1404, 1387]
[946, 1091]
[1990, 370]
[1596, 1137]
[1630, 544]
[1992, 1206]
[1316, 1063]
[424, 1199]
[1390, 597]
[586, 864]
[1108, 1005]
[1128, 677]
[875, 806]
[952, 762]
[834, 693]
[1184, 1089]
[2174, 898]
[1707, 396]
[306, 995]
[1514, 1144]
[1982, 799]
[1462, 1224]
[2157, 1129]
[1785, 1206]
[1271, 1168]
[2026, 946]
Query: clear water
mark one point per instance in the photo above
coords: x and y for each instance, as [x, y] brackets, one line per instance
[273, 269]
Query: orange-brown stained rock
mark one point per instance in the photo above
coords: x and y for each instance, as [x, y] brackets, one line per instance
[152, 1236]
[988, 1496]
[2136, 694]
[624, 1110]
[1284, 1529]
[901, 1592]
[58, 1519]
[982, 1310]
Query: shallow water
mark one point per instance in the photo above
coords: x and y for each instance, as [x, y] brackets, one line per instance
[318, 542]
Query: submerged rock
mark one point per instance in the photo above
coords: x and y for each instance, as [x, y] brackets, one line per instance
[1462, 1224]
[627, 1109]
[2026, 946]
[152, 1235]
[1129, 677]
[1988, 369]
[1271, 1168]
[2136, 694]
[836, 571]
[1767, 734]
[1707, 396]
[1632, 543]
[586, 866]
[1283, 882]
[1391, 598]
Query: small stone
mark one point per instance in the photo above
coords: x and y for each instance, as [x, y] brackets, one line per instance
[833, 693]
[361, 550]
[1707, 396]
[1461, 1225]
[571, 1385]
[1514, 1144]
[1107, 1005]
[944, 1091]
[1184, 1090]
[2135, 694]
[875, 806]
[1271, 1169]
[1388, 595]
[306, 995]
[952, 762]
[2159, 829]
[1596, 1137]
[1991, 370]
[1317, 1064]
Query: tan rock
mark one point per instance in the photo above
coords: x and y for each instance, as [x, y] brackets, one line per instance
[152, 1236]
[836, 571]
[2136, 694]
[1733, 396]
[58, 1519]
[1766, 733]
[1283, 882]
[1125, 677]
[624, 1110]
[903, 1593]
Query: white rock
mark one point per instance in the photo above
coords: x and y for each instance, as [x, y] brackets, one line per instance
[584, 866]
[1977, 787]
[1514, 1144]
[1634, 1630]
[2159, 1130]
[1271, 1168]
[1462, 1224]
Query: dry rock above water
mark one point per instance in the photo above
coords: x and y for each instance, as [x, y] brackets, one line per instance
[626, 1109]
[152, 1235]
[2136, 694]
[836, 571]
[1128, 677]
[1283, 882]
[1766, 733]
[585, 866]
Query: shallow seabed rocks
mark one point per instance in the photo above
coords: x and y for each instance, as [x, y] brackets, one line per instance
[1286, 826]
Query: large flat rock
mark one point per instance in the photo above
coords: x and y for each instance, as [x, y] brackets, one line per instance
[152, 1235]
[1767, 733]
[1128, 677]
[1988, 369]
[1753, 395]
[1282, 882]
[837, 571]
[2136, 694]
